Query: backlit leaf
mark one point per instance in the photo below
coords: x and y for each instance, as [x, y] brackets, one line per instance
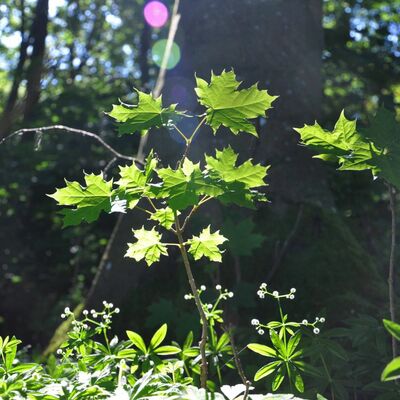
[148, 246]
[230, 107]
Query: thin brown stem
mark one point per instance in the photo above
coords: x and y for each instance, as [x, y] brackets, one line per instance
[391, 283]
[203, 318]
[238, 364]
[68, 129]
[193, 210]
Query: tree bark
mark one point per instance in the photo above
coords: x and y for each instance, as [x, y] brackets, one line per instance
[35, 70]
[9, 109]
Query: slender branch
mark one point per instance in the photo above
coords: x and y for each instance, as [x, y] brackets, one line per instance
[68, 129]
[181, 133]
[238, 364]
[190, 140]
[391, 283]
[109, 165]
[193, 210]
[193, 287]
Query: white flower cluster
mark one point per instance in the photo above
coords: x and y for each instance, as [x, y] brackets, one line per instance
[263, 291]
[318, 320]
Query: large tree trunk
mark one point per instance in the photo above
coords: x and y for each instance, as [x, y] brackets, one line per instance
[35, 69]
[276, 42]
[36, 39]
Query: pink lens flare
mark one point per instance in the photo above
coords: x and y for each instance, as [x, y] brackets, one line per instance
[156, 14]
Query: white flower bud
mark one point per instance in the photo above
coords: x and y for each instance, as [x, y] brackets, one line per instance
[117, 310]
[85, 312]
[322, 320]
[218, 287]
[316, 331]
[275, 293]
[255, 322]
[293, 290]
[261, 331]
[263, 285]
[202, 287]
[291, 297]
[304, 322]
[230, 294]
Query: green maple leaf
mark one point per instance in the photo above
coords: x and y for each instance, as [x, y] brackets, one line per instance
[223, 167]
[89, 201]
[164, 216]
[181, 187]
[148, 113]
[133, 181]
[344, 144]
[206, 245]
[148, 246]
[230, 107]
[242, 238]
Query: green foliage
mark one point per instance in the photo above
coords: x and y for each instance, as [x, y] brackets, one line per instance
[285, 353]
[90, 201]
[147, 247]
[148, 113]
[93, 365]
[171, 192]
[230, 107]
[374, 148]
[206, 245]
[392, 369]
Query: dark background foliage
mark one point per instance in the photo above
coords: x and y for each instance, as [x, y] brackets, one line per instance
[324, 233]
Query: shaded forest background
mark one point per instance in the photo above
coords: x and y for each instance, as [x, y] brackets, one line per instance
[66, 62]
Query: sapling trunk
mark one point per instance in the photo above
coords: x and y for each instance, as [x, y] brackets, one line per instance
[391, 283]
[193, 287]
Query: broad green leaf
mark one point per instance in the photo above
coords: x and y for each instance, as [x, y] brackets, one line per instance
[137, 341]
[159, 336]
[343, 144]
[206, 245]
[242, 238]
[148, 113]
[262, 349]
[266, 370]
[223, 167]
[393, 328]
[164, 216]
[375, 148]
[133, 181]
[89, 200]
[182, 187]
[392, 370]
[230, 107]
[148, 246]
